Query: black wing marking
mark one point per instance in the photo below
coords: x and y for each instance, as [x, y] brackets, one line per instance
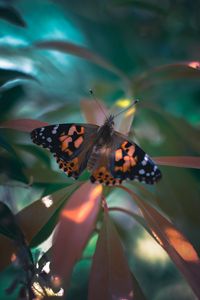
[70, 143]
[128, 160]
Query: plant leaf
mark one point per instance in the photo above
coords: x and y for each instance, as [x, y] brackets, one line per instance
[173, 241]
[8, 75]
[36, 151]
[92, 111]
[180, 70]
[179, 161]
[7, 249]
[43, 214]
[143, 5]
[124, 121]
[77, 222]
[4, 144]
[110, 276]
[36, 221]
[8, 225]
[46, 176]
[80, 51]
[11, 15]
[25, 125]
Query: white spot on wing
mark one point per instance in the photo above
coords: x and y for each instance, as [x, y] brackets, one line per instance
[142, 171]
[49, 140]
[144, 162]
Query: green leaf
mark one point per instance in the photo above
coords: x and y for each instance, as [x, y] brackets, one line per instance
[9, 99]
[80, 51]
[8, 224]
[143, 5]
[45, 175]
[43, 214]
[11, 15]
[36, 151]
[8, 75]
[4, 144]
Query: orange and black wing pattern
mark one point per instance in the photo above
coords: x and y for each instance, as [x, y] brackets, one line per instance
[71, 144]
[129, 161]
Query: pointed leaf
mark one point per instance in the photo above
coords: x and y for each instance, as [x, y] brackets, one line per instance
[173, 241]
[124, 121]
[143, 5]
[7, 249]
[8, 224]
[35, 218]
[7, 75]
[180, 70]
[110, 276]
[38, 174]
[67, 47]
[26, 125]
[36, 222]
[179, 161]
[92, 112]
[11, 15]
[77, 221]
[4, 144]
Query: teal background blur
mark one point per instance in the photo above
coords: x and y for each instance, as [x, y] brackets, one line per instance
[136, 37]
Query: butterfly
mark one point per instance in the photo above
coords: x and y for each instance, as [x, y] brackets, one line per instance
[109, 155]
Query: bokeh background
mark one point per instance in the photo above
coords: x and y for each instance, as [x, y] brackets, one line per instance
[136, 49]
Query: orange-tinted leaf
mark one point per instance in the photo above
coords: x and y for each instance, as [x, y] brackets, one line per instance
[34, 217]
[77, 221]
[124, 121]
[26, 125]
[92, 112]
[173, 241]
[179, 161]
[180, 70]
[95, 115]
[67, 47]
[110, 276]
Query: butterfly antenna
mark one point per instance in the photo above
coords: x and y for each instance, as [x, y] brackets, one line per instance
[97, 102]
[132, 104]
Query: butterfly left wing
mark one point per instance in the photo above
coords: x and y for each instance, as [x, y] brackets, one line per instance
[70, 143]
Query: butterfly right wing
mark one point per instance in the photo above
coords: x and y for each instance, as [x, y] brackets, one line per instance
[129, 161]
[121, 160]
[70, 143]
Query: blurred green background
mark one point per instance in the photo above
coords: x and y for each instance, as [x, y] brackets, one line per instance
[150, 43]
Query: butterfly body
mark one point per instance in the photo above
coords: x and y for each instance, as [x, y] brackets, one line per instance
[106, 153]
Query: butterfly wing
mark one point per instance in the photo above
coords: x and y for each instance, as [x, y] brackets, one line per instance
[122, 160]
[129, 161]
[70, 143]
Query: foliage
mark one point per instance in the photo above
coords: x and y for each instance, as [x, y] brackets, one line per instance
[51, 55]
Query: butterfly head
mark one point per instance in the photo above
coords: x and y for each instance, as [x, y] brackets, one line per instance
[110, 121]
